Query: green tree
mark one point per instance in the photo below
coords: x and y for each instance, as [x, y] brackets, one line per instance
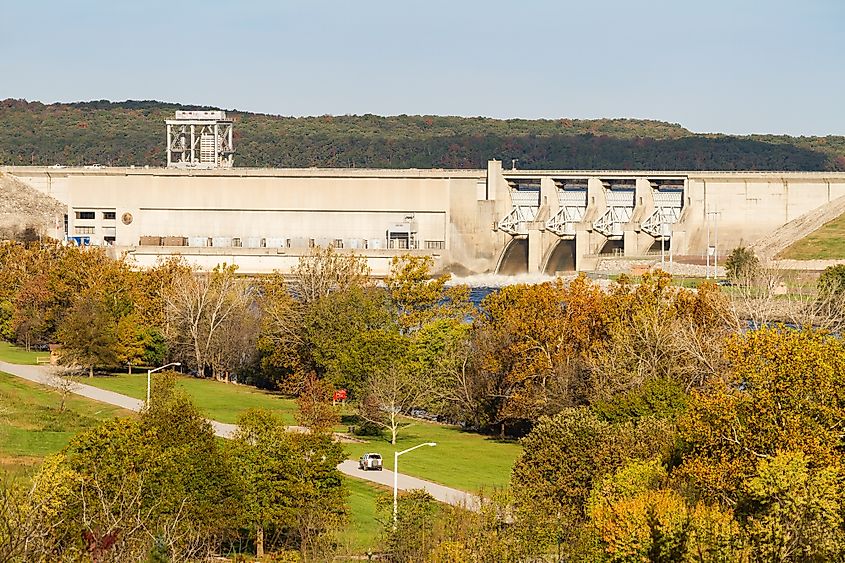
[832, 281]
[420, 298]
[88, 335]
[412, 538]
[292, 486]
[132, 485]
[742, 264]
[347, 335]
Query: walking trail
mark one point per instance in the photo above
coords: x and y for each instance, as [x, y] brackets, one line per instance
[43, 375]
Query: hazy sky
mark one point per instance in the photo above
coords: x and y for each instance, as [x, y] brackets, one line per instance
[734, 66]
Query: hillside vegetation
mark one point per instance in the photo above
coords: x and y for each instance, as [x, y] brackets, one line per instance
[132, 132]
[825, 243]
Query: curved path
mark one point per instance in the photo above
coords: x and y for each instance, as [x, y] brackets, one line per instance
[44, 376]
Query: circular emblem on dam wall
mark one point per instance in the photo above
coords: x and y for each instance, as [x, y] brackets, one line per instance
[126, 218]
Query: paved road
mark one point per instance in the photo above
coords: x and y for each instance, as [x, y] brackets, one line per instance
[42, 375]
[406, 482]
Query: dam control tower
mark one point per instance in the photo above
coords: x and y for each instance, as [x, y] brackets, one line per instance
[200, 139]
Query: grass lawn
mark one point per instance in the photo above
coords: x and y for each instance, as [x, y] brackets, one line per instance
[32, 426]
[14, 355]
[363, 528]
[462, 460]
[826, 242]
[216, 400]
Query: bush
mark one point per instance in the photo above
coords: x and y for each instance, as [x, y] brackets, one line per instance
[832, 280]
[742, 263]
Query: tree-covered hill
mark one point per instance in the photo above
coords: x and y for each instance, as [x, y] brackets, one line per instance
[132, 132]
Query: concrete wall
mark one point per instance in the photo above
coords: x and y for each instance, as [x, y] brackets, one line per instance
[456, 211]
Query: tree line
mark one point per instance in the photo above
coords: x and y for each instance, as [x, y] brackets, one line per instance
[658, 422]
[131, 133]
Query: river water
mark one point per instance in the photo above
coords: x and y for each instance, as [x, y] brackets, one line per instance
[482, 285]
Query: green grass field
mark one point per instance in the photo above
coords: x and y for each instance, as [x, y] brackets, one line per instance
[14, 355]
[217, 400]
[462, 460]
[32, 426]
[364, 527]
[825, 243]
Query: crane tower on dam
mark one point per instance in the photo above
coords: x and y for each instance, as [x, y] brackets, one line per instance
[200, 139]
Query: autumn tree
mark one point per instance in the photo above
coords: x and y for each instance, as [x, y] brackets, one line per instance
[316, 410]
[658, 332]
[564, 457]
[532, 344]
[792, 510]
[784, 391]
[88, 335]
[638, 516]
[200, 306]
[232, 349]
[32, 320]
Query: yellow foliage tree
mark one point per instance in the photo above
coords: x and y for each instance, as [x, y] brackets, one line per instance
[785, 390]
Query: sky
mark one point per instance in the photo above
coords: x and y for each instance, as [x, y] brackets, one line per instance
[728, 66]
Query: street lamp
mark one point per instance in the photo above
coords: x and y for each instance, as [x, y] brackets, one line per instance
[396, 474]
[150, 372]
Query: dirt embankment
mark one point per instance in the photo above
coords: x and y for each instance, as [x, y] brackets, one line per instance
[24, 211]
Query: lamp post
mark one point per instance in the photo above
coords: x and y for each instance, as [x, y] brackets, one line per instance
[150, 372]
[396, 475]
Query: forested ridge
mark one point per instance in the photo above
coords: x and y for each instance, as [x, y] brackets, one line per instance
[132, 132]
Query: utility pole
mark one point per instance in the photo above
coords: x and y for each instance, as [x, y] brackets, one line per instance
[712, 250]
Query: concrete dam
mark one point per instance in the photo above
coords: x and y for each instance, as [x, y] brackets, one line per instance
[493, 220]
